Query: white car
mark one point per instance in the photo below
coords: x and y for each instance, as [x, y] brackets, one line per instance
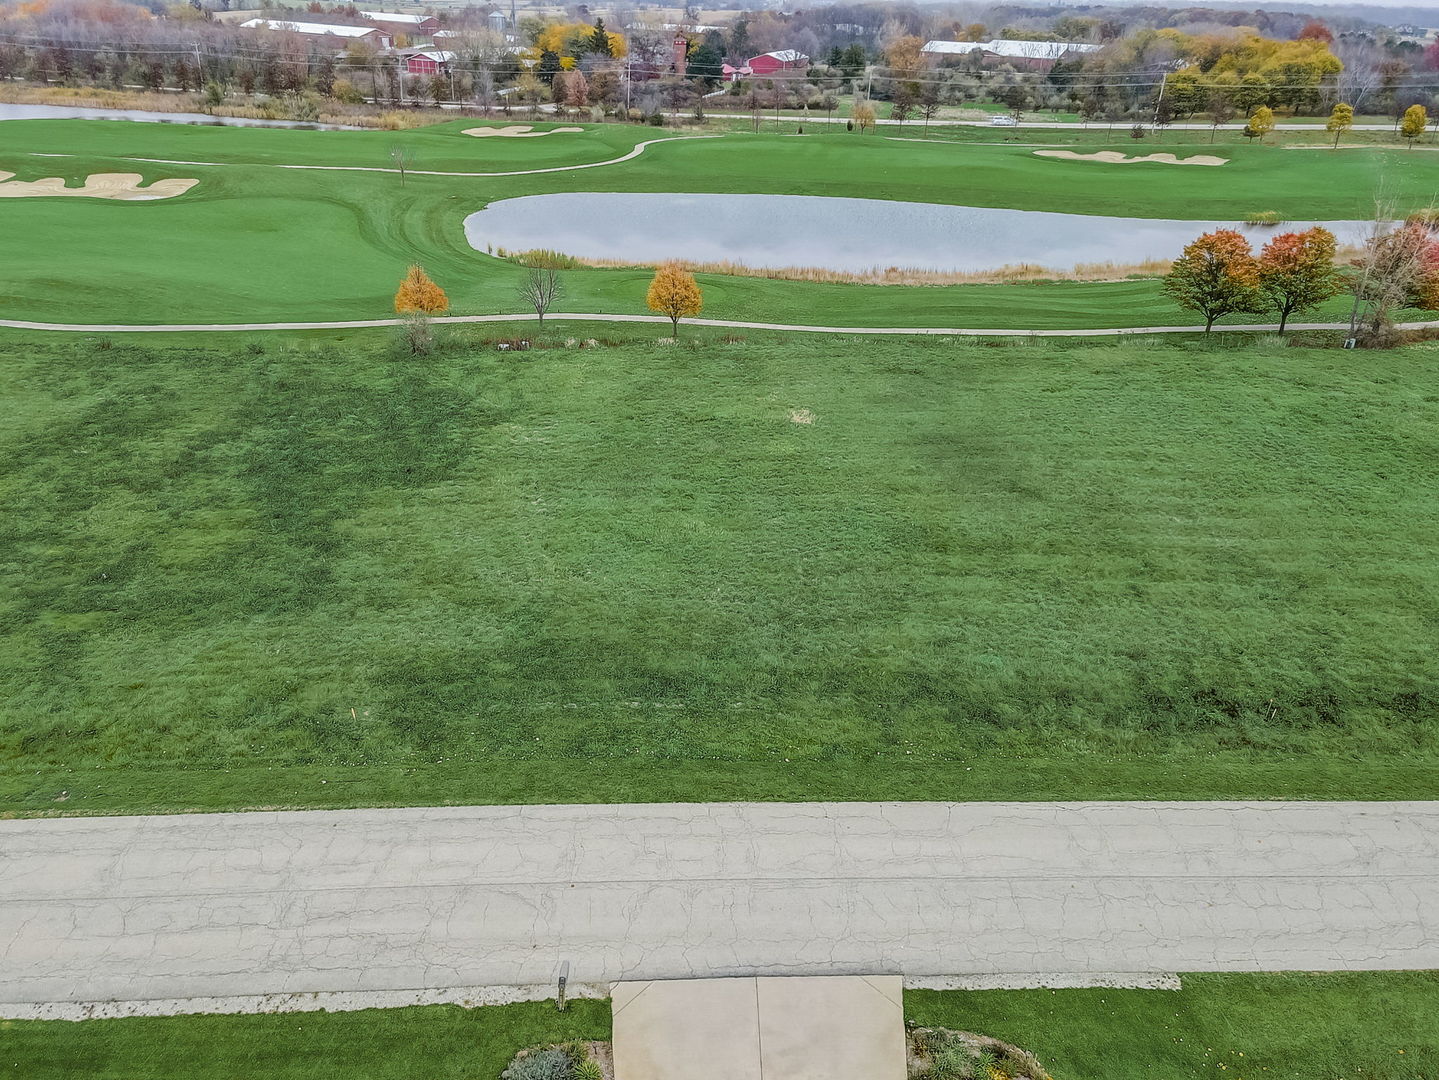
[1003, 121]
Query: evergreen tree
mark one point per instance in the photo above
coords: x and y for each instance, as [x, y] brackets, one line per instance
[599, 42]
[705, 64]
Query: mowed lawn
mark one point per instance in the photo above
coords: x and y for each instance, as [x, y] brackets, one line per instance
[254, 242]
[1364, 1026]
[799, 568]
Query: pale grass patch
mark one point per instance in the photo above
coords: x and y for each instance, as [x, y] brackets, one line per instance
[801, 416]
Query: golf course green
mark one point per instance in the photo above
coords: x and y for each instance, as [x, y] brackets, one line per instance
[320, 225]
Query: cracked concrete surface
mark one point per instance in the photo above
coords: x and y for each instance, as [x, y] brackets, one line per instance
[370, 900]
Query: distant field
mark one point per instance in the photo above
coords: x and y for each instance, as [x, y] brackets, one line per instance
[1375, 1025]
[635, 572]
[256, 242]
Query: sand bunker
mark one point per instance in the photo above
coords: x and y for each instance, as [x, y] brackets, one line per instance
[105, 185]
[1114, 157]
[519, 131]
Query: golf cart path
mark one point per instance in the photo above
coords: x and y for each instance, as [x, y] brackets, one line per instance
[636, 152]
[192, 905]
[733, 324]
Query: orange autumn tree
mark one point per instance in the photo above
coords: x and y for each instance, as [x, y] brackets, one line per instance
[673, 292]
[418, 295]
[1297, 272]
[1216, 276]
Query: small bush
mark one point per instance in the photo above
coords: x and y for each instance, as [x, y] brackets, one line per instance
[657, 119]
[589, 1070]
[417, 334]
[1264, 217]
[552, 1064]
[104, 344]
[346, 91]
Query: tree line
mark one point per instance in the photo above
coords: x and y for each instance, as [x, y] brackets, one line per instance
[1219, 274]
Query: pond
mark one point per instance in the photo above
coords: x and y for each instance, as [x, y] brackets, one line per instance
[76, 112]
[847, 235]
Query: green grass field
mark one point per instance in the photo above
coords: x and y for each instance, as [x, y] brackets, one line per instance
[1371, 1026]
[257, 242]
[1138, 570]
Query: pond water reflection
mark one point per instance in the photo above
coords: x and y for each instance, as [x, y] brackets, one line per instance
[850, 235]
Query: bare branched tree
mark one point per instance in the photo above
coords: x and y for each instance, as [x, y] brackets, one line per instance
[539, 289]
[400, 155]
[1387, 276]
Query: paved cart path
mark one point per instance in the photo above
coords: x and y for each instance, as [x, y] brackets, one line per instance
[355, 900]
[926, 331]
[631, 155]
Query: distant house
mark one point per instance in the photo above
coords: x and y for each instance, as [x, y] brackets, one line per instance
[395, 23]
[731, 73]
[427, 61]
[336, 35]
[1032, 55]
[766, 64]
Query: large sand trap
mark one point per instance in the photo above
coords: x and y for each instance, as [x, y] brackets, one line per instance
[105, 185]
[1114, 157]
[519, 131]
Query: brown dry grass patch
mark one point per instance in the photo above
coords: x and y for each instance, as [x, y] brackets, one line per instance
[893, 275]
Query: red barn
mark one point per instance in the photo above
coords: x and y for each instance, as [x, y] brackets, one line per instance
[766, 64]
[428, 62]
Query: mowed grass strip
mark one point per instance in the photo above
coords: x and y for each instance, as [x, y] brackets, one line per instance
[437, 1042]
[1335, 1026]
[812, 568]
[1341, 1026]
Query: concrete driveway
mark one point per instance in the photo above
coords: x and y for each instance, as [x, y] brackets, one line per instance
[256, 903]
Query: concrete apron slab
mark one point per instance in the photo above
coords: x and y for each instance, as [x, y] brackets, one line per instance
[799, 1028]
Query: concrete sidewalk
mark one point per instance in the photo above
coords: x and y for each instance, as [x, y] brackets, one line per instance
[357, 900]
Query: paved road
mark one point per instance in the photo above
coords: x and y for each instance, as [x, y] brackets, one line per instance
[221, 904]
[803, 328]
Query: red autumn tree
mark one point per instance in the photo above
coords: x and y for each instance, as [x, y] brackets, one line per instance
[1314, 30]
[1297, 272]
[1217, 275]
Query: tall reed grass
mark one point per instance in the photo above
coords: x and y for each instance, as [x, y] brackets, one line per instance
[893, 275]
